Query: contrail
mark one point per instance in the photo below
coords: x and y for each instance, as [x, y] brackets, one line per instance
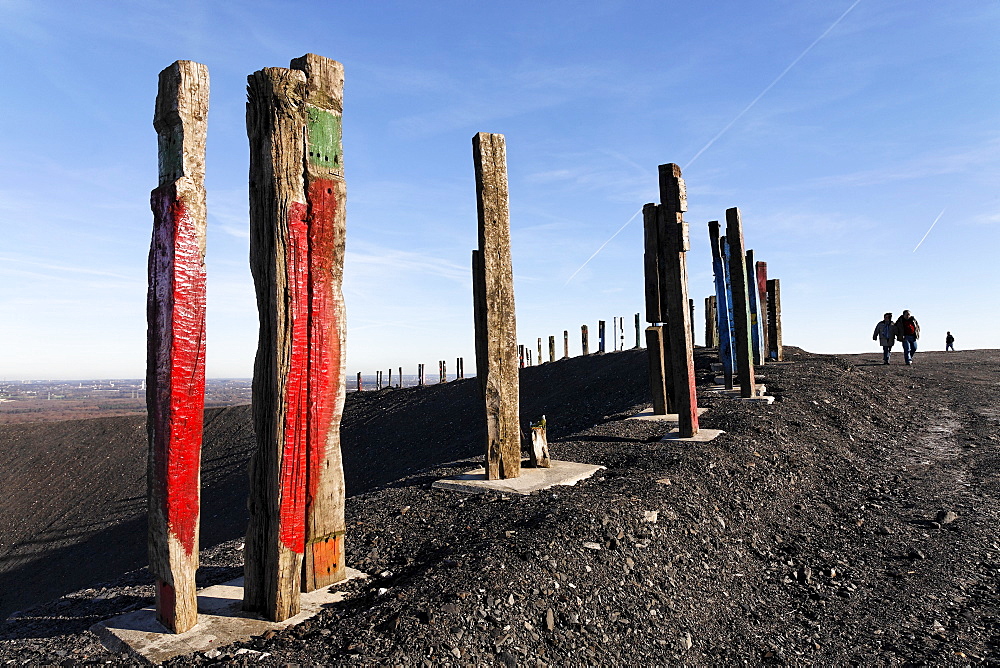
[602, 247]
[731, 124]
[771, 85]
[929, 230]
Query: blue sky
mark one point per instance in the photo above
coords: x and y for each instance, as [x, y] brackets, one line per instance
[839, 169]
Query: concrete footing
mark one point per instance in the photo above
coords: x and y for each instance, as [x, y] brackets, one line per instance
[221, 621]
[703, 436]
[669, 417]
[530, 480]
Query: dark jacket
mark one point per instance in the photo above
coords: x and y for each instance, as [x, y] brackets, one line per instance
[901, 328]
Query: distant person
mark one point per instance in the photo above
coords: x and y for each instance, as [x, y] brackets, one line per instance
[949, 343]
[908, 331]
[885, 332]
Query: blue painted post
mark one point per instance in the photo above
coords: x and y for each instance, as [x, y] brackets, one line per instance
[600, 335]
[723, 301]
[757, 334]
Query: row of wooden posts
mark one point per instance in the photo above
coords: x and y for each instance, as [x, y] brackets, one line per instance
[296, 533]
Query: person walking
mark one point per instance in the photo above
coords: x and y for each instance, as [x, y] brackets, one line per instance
[908, 331]
[885, 333]
[949, 343]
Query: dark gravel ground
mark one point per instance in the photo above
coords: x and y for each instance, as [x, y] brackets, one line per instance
[854, 521]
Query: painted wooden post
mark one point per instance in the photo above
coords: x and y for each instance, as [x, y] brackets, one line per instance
[638, 343]
[175, 353]
[756, 334]
[297, 204]
[552, 349]
[520, 356]
[723, 302]
[774, 319]
[614, 332]
[528, 353]
[621, 333]
[660, 378]
[711, 323]
[565, 344]
[496, 329]
[540, 350]
[600, 336]
[674, 301]
[761, 271]
[420, 375]
[584, 340]
[442, 372]
[741, 302]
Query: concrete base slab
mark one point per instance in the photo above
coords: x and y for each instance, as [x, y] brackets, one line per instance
[530, 480]
[669, 417]
[703, 436]
[221, 621]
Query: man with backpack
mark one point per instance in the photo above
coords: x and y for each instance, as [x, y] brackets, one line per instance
[908, 331]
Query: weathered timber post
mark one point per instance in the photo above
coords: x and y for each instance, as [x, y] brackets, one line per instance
[358, 385]
[496, 329]
[584, 340]
[674, 244]
[741, 302]
[420, 375]
[175, 353]
[691, 320]
[756, 335]
[389, 384]
[657, 373]
[621, 333]
[565, 344]
[400, 374]
[520, 356]
[297, 220]
[442, 372]
[762, 310]
[460, 368]
[774, 319]
[711, 323]
[540, 350]
[723, 302]
[378, 379]
[614, 332]
[538, 452]
[528, 353]
[600, 336]
[638, 343]
[552, 349]
[660, 378]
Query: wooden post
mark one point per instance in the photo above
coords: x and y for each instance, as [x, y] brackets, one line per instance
[674, 301]
[660, 378]
[496, 329]
[741, 302]
[657, 373]
[756, 335]
[460, 368]
[442, 372]
[584, 340]
[638, 343]
[762, 310]
[528, 353]
[420, 375]
[540, 350]
[565, 344]
[552, 349]
[711, 323]
[600, 336]
[538, 452]
[723, 302]
[297, 199]
[520, 356]
[175, 353]
[774, 319]
[691, 307]
[400, 374]
[389, 384]
[358, 384]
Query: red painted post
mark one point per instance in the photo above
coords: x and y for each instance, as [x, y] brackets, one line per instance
[762, 311]
[295, 538]
[175, 360]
